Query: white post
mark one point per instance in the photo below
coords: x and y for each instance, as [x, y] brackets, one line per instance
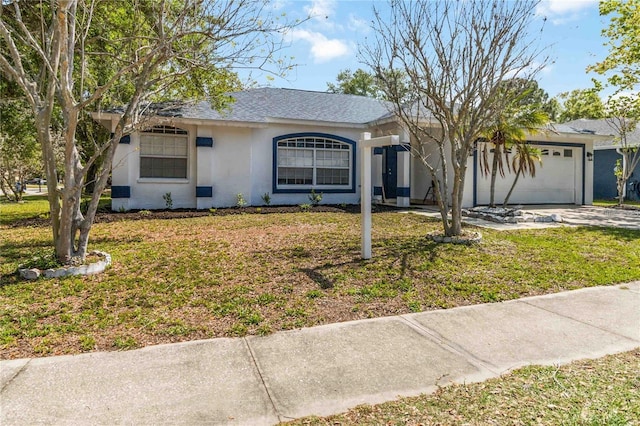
[403, 199]
[366, 143]
[365, 195]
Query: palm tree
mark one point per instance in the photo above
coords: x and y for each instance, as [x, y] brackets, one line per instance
[524, 161]
[519, 116]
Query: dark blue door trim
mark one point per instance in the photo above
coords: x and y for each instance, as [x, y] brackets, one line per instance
[390, 172]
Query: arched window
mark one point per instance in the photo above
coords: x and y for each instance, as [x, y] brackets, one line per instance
[164, 153]
[313, 161]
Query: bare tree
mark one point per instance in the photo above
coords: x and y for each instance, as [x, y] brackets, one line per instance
[76, 54]
[624, 113]
[455, 54]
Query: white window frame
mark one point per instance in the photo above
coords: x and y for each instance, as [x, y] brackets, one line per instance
[310, 146]
[159, 132]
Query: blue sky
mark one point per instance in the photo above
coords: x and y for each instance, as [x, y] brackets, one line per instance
[328, 42]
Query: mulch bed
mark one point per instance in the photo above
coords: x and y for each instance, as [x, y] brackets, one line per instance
[108, 217]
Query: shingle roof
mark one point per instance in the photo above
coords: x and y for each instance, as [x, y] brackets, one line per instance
[260, 105]
[603, 127]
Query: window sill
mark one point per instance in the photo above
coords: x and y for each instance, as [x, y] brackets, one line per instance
[307, 189]
[163, 180]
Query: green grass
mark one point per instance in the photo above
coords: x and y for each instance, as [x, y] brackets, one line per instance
[610, 203]
[33, 206]
[212, 276]
[604, 391]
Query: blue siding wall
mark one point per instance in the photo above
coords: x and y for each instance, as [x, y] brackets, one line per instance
[604, 182]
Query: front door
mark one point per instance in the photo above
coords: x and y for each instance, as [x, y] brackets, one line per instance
[390, 172]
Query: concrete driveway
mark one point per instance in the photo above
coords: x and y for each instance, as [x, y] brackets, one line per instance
[591, 215]
[572, 215]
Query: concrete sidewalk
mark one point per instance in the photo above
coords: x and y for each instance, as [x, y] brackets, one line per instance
[320, 370]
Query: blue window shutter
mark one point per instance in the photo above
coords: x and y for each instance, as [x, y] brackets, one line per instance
[120, 192]
[125, 139]
[403, 192]
[204, 141]
[204, 191]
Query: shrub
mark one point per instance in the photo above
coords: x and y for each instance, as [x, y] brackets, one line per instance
[266, 198]
[315, 198]
[168, 200]
[240, 201]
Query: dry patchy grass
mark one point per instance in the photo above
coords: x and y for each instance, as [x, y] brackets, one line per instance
[185, 279]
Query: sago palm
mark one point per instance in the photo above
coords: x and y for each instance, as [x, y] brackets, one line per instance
[516, 119]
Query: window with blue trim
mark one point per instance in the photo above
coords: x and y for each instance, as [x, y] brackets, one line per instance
[164, 153]
[313, 162]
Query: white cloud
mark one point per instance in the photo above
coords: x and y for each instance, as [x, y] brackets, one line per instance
[323, 49]
[321, 9]
[358, 25]
[562, 11]
[323, 15]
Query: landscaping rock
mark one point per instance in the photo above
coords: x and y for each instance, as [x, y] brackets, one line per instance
[543, 219]
[88, 269]
[30, 274]
[508, 215]
[556, 218]
[467, 238]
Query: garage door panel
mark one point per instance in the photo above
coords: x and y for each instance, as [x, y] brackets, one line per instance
[554, 182]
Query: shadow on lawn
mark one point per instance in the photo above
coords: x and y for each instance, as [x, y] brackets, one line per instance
[394, 250]
[618, 233]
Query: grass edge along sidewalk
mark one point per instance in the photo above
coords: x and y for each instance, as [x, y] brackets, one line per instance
[603, 391]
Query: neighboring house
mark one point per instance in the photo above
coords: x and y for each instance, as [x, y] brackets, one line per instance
[606, 153]
[287, 142]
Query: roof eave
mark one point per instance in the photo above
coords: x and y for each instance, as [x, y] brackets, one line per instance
[102, 115]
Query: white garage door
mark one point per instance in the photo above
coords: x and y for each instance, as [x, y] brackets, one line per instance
[555, 182]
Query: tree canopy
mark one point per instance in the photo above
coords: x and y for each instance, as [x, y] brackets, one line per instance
[368, 84]
[77, 56]
[581, 103]
[359, 83]
[622, 64]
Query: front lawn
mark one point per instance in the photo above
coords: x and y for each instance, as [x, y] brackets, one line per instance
[212, 276]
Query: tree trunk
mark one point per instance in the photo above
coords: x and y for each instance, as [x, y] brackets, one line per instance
[494, 174]
[620, 184]
[98, 188]
[513, 185]
[459, 170]
[42, 120]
